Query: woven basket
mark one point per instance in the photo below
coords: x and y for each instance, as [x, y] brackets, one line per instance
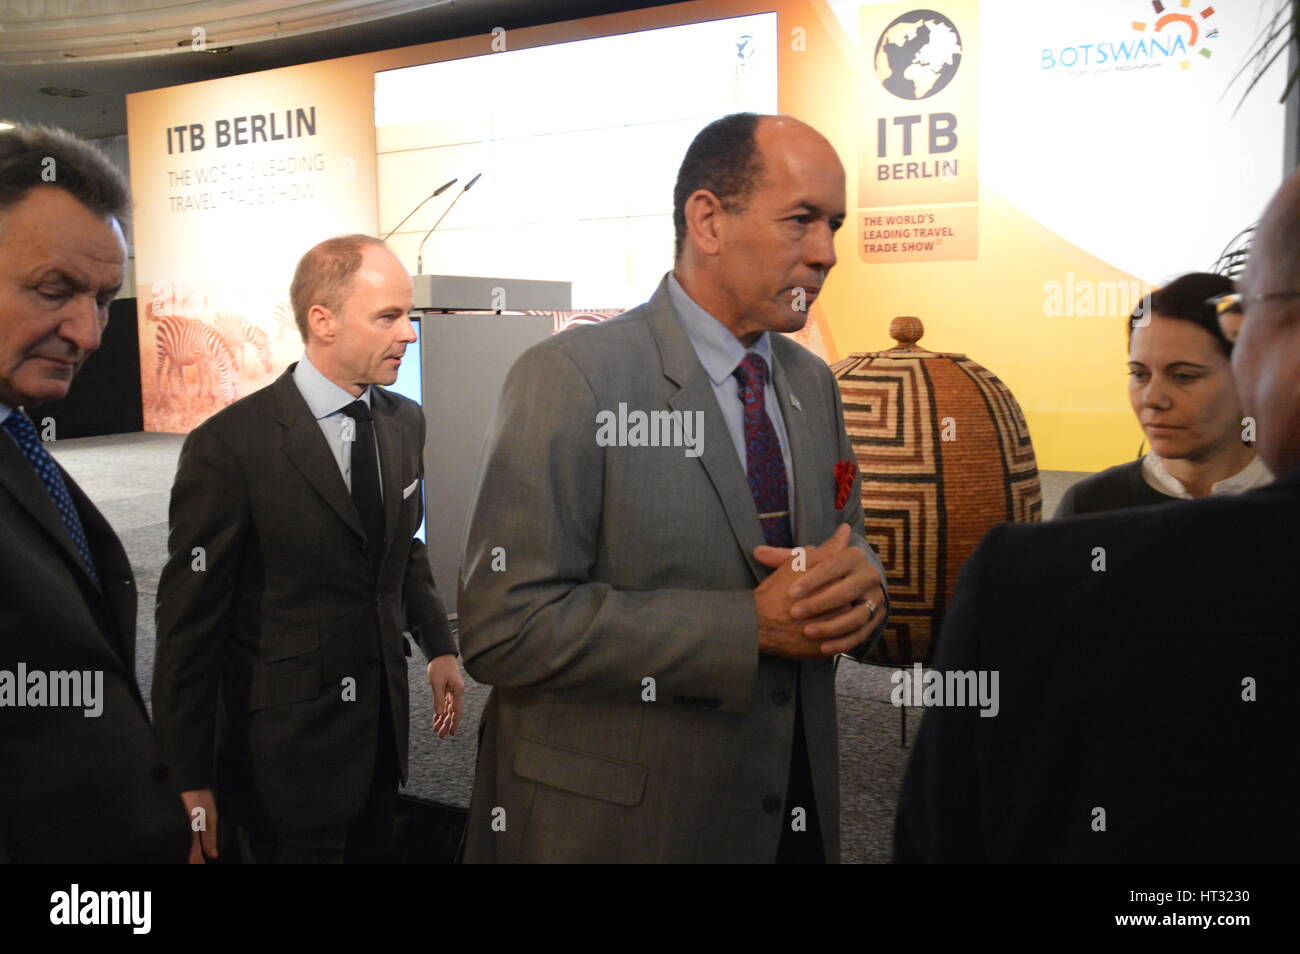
[945, 455]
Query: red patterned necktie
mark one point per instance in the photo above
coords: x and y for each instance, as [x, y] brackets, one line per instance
[765, 466]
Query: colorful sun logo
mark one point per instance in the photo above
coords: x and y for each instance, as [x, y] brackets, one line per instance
[1186, 20]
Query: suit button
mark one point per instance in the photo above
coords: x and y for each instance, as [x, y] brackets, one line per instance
[781, 697]
[161, 772]
[771, 804]
[365, 548]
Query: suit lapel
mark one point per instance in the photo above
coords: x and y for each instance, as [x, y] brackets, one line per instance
[801, 453]
[306, 447]
[389, 437]
[21, 480]
[112, 562]
[682, 366]
[18, 475]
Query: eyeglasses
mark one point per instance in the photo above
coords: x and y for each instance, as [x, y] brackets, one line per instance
[1234, 303]
[1229, 309]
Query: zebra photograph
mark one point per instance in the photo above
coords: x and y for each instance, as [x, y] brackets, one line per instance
[283, 321]
[239, 333]
[182, 343]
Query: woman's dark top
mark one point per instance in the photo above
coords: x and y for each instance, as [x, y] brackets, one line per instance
[1113, 489]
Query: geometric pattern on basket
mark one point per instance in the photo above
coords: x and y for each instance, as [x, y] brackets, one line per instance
[904, 520]
[887, 416]
[1027, 500]
[903, 526]
[1024, 490]
[927, 500]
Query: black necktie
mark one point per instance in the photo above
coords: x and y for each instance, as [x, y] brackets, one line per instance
[365, 474]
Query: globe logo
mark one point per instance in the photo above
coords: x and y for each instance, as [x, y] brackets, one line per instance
[918, 54]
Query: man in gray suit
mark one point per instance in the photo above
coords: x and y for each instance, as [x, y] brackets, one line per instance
[661, 653]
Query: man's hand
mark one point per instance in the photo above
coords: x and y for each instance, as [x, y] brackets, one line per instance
[820, 610]
[203, 843]
[448, 694]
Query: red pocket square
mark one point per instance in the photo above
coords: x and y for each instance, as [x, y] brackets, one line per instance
[845, 472]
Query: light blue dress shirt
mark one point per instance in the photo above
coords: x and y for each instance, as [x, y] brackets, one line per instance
[721, 353]
[326, 401]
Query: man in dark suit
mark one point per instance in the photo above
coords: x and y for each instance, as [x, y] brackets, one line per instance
[1149, 660]
[292, 572]
[82, 778]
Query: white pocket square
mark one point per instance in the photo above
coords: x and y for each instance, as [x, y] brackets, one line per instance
[411, 489]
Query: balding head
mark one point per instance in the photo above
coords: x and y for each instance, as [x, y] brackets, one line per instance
[1266, 359]
[755, 258]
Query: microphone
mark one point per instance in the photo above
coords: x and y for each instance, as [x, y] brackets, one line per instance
[438, 191]
[419, 256]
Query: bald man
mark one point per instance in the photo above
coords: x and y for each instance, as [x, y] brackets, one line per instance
[1148, 702]
[280, 688]
[661, 655]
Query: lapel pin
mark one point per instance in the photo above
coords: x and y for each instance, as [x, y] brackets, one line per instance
[795, 401]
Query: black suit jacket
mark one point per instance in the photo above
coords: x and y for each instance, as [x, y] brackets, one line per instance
[1121, 692]
[72, 788]
[289, 620]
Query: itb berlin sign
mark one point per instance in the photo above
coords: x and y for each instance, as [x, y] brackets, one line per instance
[918, 176]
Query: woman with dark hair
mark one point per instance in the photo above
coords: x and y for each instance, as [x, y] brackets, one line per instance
[1182, 391]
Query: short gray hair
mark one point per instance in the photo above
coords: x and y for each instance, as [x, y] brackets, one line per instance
[32, 156]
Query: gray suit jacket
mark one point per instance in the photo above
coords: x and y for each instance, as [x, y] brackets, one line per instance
[290, 603]
[629, 564]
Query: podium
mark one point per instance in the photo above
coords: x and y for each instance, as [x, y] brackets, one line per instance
[464, 359]
[460, 293]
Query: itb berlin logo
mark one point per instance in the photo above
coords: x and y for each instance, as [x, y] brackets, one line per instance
[1175, 37]
[918, 54]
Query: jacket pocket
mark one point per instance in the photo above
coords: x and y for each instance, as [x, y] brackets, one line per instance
[293, 642]
[281, 685]
[573, 771]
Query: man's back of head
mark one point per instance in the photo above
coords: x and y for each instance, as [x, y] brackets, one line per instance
[1266, 359]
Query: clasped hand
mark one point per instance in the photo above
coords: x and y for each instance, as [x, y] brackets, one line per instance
[821, 609]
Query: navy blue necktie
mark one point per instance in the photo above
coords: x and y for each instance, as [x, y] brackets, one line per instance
[24, 432]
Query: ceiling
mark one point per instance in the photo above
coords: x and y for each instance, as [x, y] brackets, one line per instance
[109, 48]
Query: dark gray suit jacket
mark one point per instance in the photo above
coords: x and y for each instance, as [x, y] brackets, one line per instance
[623, 564]
[75, 789]
[293, 624]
